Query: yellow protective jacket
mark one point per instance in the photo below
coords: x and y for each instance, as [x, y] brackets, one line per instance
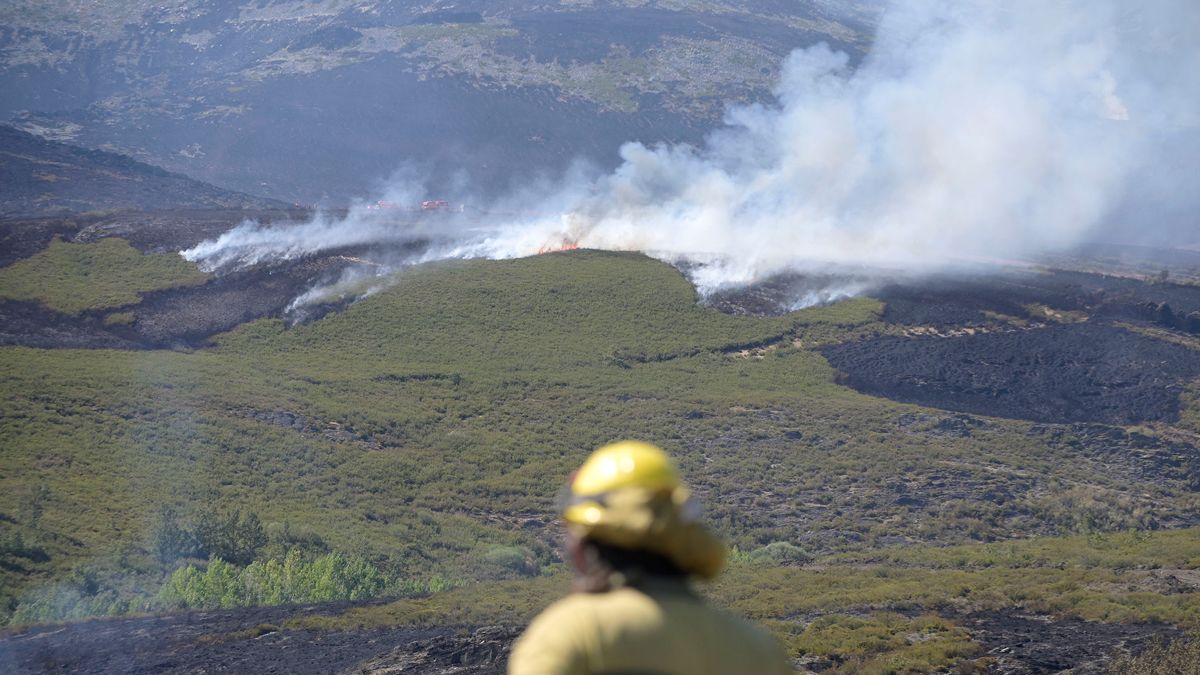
[659, 628]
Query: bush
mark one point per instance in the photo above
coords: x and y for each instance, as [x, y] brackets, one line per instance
[88, 590]
[231, 536]
[329, 577]
[170, 539]
[284, 537]
[62, 602]
[1088, 510]
[219, 585]
[780, 552]
[887, 643]
[120, 319]
[13, 544]
[1181, 657]
[511, 558]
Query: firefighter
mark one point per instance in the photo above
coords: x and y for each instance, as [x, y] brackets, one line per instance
[634, 540]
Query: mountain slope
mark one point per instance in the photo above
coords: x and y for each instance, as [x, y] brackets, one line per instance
[323, 100]
[39, 177]
[428, 426]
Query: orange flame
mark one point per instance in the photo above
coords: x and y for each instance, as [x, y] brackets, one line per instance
[564, 245]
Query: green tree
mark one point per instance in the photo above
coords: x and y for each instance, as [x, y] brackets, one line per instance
[170, 539]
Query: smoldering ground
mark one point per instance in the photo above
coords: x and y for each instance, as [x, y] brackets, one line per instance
[971, 131]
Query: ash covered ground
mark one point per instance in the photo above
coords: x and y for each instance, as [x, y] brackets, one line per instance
[1055, 346]
[251, 640]
[184, 317]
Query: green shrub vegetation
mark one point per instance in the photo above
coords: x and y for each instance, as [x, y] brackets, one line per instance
[885, 643]
[439, 417]
[776, 551]
[65, 601]
[120, 319]
[72, 278]
[332, 576]
[216, 584]
[231, 537]
[1180, 657]
[853, 609]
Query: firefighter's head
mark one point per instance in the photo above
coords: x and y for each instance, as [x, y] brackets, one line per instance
[628, 496]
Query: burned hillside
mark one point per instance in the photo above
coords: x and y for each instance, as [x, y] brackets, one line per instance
[435, 413]
[908, 293]
[1059, 346]
[979, 298]
[944, 302]
[1016, 643]
[183, 316]
[1079, 372]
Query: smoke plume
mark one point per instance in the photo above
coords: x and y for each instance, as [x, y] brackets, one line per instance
[972, 130]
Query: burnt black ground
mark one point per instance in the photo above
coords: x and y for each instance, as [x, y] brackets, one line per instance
[247, 641]
[1082, 372]
[32, 325]
[173, 318]
[950, 301]
[809, 516]
[199, 642]
[1113, 450]
[190, 316]
[334, 133]
[147, 231]
[172, 230]
[182, 317]
[1049, 346]
[1113, 373]
[482, 652]
[21, 238]
[1030, 644]
[946, 301]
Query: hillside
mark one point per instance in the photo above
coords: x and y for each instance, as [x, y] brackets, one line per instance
[40, 177]
[424, 431]
[311, 101]
[911, 291]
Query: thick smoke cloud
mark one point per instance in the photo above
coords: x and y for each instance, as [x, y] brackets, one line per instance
[972, 131]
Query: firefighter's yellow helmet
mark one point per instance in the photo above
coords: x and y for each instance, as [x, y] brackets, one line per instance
[628, 494]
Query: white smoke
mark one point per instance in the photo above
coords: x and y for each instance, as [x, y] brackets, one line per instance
[830, 294]
[354, 282]
[972, 130]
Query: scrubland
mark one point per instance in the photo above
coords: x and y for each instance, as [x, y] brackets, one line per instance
[412, 446]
